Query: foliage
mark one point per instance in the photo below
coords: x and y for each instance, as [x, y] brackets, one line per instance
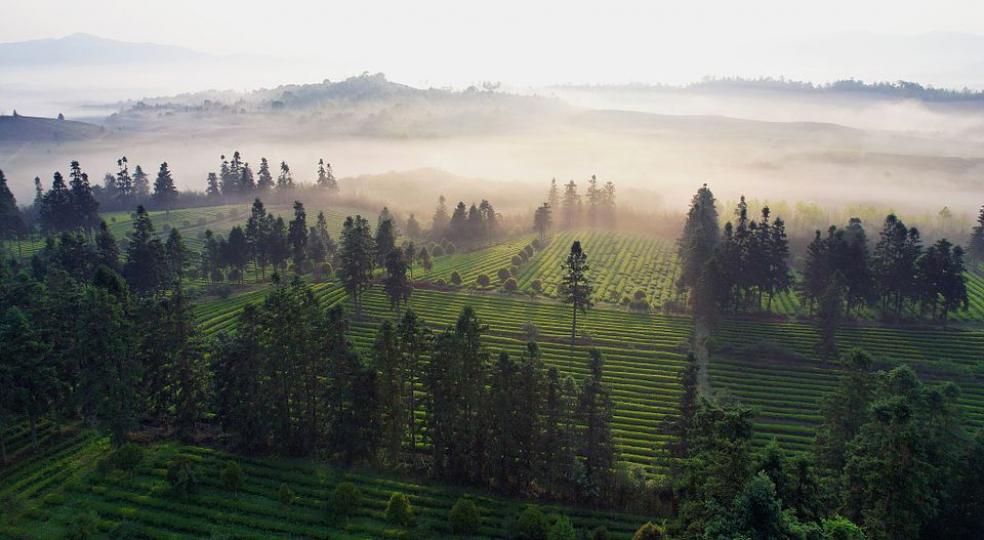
[399, 511]
[464, 517]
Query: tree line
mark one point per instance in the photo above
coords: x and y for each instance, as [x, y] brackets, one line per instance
[733, 268]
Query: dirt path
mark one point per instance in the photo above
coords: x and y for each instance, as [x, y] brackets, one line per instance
[701, 334]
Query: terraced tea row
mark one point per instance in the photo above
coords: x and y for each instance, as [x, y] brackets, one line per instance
[771, 366]
[142, 504]
[621, 264]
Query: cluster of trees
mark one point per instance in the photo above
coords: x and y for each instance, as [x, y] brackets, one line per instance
[91, 335]
[267, 240]
[975, 247]
[288, 380]
[891, 460]
[236, 180]
[734, 268]
[598, 211]
[470, 225]
[841, 274]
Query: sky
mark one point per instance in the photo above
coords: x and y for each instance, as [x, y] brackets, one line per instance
[520, 42]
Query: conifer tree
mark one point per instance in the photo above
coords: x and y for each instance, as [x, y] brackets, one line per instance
[212, 186]
[575, 287]
[975, 247]
[141, 184]
[85, 207]
[11, 221]
[264, 182]
[285, 181]
[144, 256]
[357, 258]
[165, 194]
[441, 219]
[297, 236]
[397, 285]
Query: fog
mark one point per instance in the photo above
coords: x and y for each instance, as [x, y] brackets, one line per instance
[657, 144]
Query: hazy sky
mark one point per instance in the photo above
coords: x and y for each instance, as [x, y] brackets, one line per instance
[517, 41]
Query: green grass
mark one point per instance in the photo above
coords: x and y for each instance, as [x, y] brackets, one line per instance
[62, 482]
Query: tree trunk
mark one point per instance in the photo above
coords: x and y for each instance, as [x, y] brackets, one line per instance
[573, 337]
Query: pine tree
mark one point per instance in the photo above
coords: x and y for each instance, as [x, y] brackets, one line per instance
[247, 184]
[264, 181]
[144, 256]
[413, 228]
[165, 194]
[141, 185]
[414, 344]
[357, 258]
[326, 179]
[124, 182]
[571, 205]
[397, 285]
[107, 248]
[392, 389]
[575, 288]
[553, 195]
[441, 219]
[457, 229]
[975, 247]
[594, 201]
[212, 186]
[56, 207]
[85, 207]
[385, 241]
[176, 255]
[698, 242]
[297, 237]
[236, 252]
[29, 378]
[285, 181]
[11, 221]
[595, 414]
[542, 221]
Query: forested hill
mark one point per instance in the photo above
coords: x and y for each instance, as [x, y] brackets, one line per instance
[17, 129]
[361, 89]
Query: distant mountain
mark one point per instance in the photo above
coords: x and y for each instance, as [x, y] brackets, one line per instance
[88, 50]
[21, 129]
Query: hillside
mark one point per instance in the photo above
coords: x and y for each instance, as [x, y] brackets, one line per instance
[21, 129]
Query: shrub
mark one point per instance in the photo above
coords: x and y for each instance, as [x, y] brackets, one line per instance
[455, 278]
[223, 291]
[648, 532]
[510, 285]
[438, 251]
[839, 528]
[235, 274]
[232, 476]
[639, 295]
[216, 274]
[483, 280]
[285, 495]
[532, 524]
[127, 457]
[536, 244]
[440, 283]
[449, 248]
[517, 260]
[202, 221]
[537, 285]
[562, 530]
[464, 518]
[528, 250]
[181, 476]
[503, 274]
[345, 500]
[398, 510]
[513, 271]
[186, 224]
[82, 526]
[600, 533]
